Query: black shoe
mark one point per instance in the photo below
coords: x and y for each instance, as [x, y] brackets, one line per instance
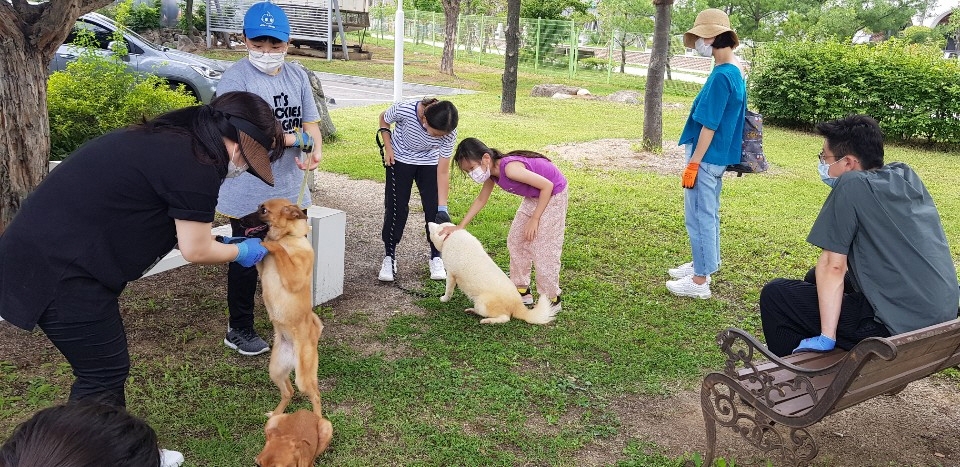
[246, 341]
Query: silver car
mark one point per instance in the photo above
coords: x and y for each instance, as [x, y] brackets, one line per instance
[200, 75]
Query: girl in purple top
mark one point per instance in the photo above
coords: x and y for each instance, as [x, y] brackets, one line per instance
[536, 234]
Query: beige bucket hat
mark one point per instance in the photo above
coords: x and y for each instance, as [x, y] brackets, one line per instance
[709, 23]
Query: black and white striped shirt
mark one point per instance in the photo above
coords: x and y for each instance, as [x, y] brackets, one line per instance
[411, 142]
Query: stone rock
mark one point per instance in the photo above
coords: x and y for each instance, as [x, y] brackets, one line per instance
[185, 44]
[561, 95]
[549, 90]
[626, 97]
[583, 92]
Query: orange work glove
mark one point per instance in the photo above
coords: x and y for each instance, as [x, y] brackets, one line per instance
[689, 177]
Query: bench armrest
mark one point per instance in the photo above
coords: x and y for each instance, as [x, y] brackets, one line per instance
[765, 372]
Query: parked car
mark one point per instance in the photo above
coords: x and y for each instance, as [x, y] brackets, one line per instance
[198, 74]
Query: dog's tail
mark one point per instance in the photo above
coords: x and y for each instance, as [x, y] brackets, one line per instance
[539, 314]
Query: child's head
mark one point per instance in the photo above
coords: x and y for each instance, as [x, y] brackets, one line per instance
[472, 153]
[440, 117]
[266, 33]
[82, 434]
[265, 20]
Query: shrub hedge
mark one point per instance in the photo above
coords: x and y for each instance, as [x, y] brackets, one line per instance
[909, 88]
[97, 94]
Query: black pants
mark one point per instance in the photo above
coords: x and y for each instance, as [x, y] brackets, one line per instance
[84, 323]
[790, 312]
[400, 180]
[241, 287]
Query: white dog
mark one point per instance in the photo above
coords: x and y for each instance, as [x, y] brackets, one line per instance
[494, 296]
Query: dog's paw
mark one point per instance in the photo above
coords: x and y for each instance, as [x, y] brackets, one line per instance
[445, 298]
[470, 310]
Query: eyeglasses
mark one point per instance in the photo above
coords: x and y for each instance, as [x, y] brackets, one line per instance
[821, 156]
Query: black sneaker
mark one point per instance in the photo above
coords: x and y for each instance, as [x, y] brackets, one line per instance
[245, 341]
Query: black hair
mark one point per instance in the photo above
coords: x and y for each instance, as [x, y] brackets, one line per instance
[208, 124]
[724, 40]
[440, 115]
[272, 40]
[82, 434]
[856, 135]
[472, 149]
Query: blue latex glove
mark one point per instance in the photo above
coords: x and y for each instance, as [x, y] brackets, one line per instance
[303, 140]
[442, 215]
[819, 343]
[251, 252]
[230, 240]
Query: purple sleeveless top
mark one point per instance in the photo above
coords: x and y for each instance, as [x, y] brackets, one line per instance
[537, 165]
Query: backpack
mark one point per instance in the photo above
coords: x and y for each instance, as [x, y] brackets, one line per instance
[751, 156]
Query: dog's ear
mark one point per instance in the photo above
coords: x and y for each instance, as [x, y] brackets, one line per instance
[272, 433]
[292, 212]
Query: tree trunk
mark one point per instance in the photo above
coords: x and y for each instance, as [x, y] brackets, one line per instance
[508, 99]
[188, 10]
[451, 12]
[623, 53]
[653, 94]
[326, 123]
[29, 36]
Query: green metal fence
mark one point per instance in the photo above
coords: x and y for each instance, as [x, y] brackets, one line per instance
[545, 45]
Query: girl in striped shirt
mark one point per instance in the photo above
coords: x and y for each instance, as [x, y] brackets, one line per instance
[423, 133]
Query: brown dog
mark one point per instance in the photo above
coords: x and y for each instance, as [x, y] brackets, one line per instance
[294, 440]
[286, 275]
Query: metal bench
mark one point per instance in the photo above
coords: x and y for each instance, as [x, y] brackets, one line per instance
[770, 401]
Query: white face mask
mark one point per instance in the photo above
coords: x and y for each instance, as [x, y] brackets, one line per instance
[824, 170]
[703, 49]
[233, 170]
[479, 175]
[266, 62]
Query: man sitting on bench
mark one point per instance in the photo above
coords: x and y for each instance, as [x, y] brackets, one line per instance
[880, 222]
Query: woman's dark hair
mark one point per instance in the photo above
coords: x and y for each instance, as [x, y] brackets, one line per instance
[724, 40]
[472, 149]
[857, 135]
[81, 434]
[440, 115]
[207, 125]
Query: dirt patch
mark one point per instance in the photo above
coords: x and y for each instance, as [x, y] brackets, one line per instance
[621, 154]
[920, 426]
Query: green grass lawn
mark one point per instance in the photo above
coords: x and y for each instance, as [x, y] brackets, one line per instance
[518, 394]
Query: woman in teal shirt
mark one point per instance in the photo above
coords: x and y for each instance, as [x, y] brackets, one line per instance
[713, 136]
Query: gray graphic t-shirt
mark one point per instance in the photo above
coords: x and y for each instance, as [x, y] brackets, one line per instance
[291, 96]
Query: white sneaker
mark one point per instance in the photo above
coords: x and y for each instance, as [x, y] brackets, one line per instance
[681, 271]
[387, 269]
[437, 272]
[686, 287]
[170, 458]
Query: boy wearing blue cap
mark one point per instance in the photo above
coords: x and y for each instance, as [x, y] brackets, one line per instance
[287, 89]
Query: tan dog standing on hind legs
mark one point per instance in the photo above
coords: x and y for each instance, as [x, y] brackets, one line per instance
[494, 296]
[286, 275]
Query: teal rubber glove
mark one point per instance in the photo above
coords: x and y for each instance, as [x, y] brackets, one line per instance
[303, 140]
[251, 252]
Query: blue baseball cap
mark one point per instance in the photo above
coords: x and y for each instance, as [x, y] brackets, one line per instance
[266, 19]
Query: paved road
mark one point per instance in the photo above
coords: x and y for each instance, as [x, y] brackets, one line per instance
[352, 91]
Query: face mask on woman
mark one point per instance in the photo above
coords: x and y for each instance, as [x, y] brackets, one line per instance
[479, 175]
[266, 62]
[703, 49]
[233, 170]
